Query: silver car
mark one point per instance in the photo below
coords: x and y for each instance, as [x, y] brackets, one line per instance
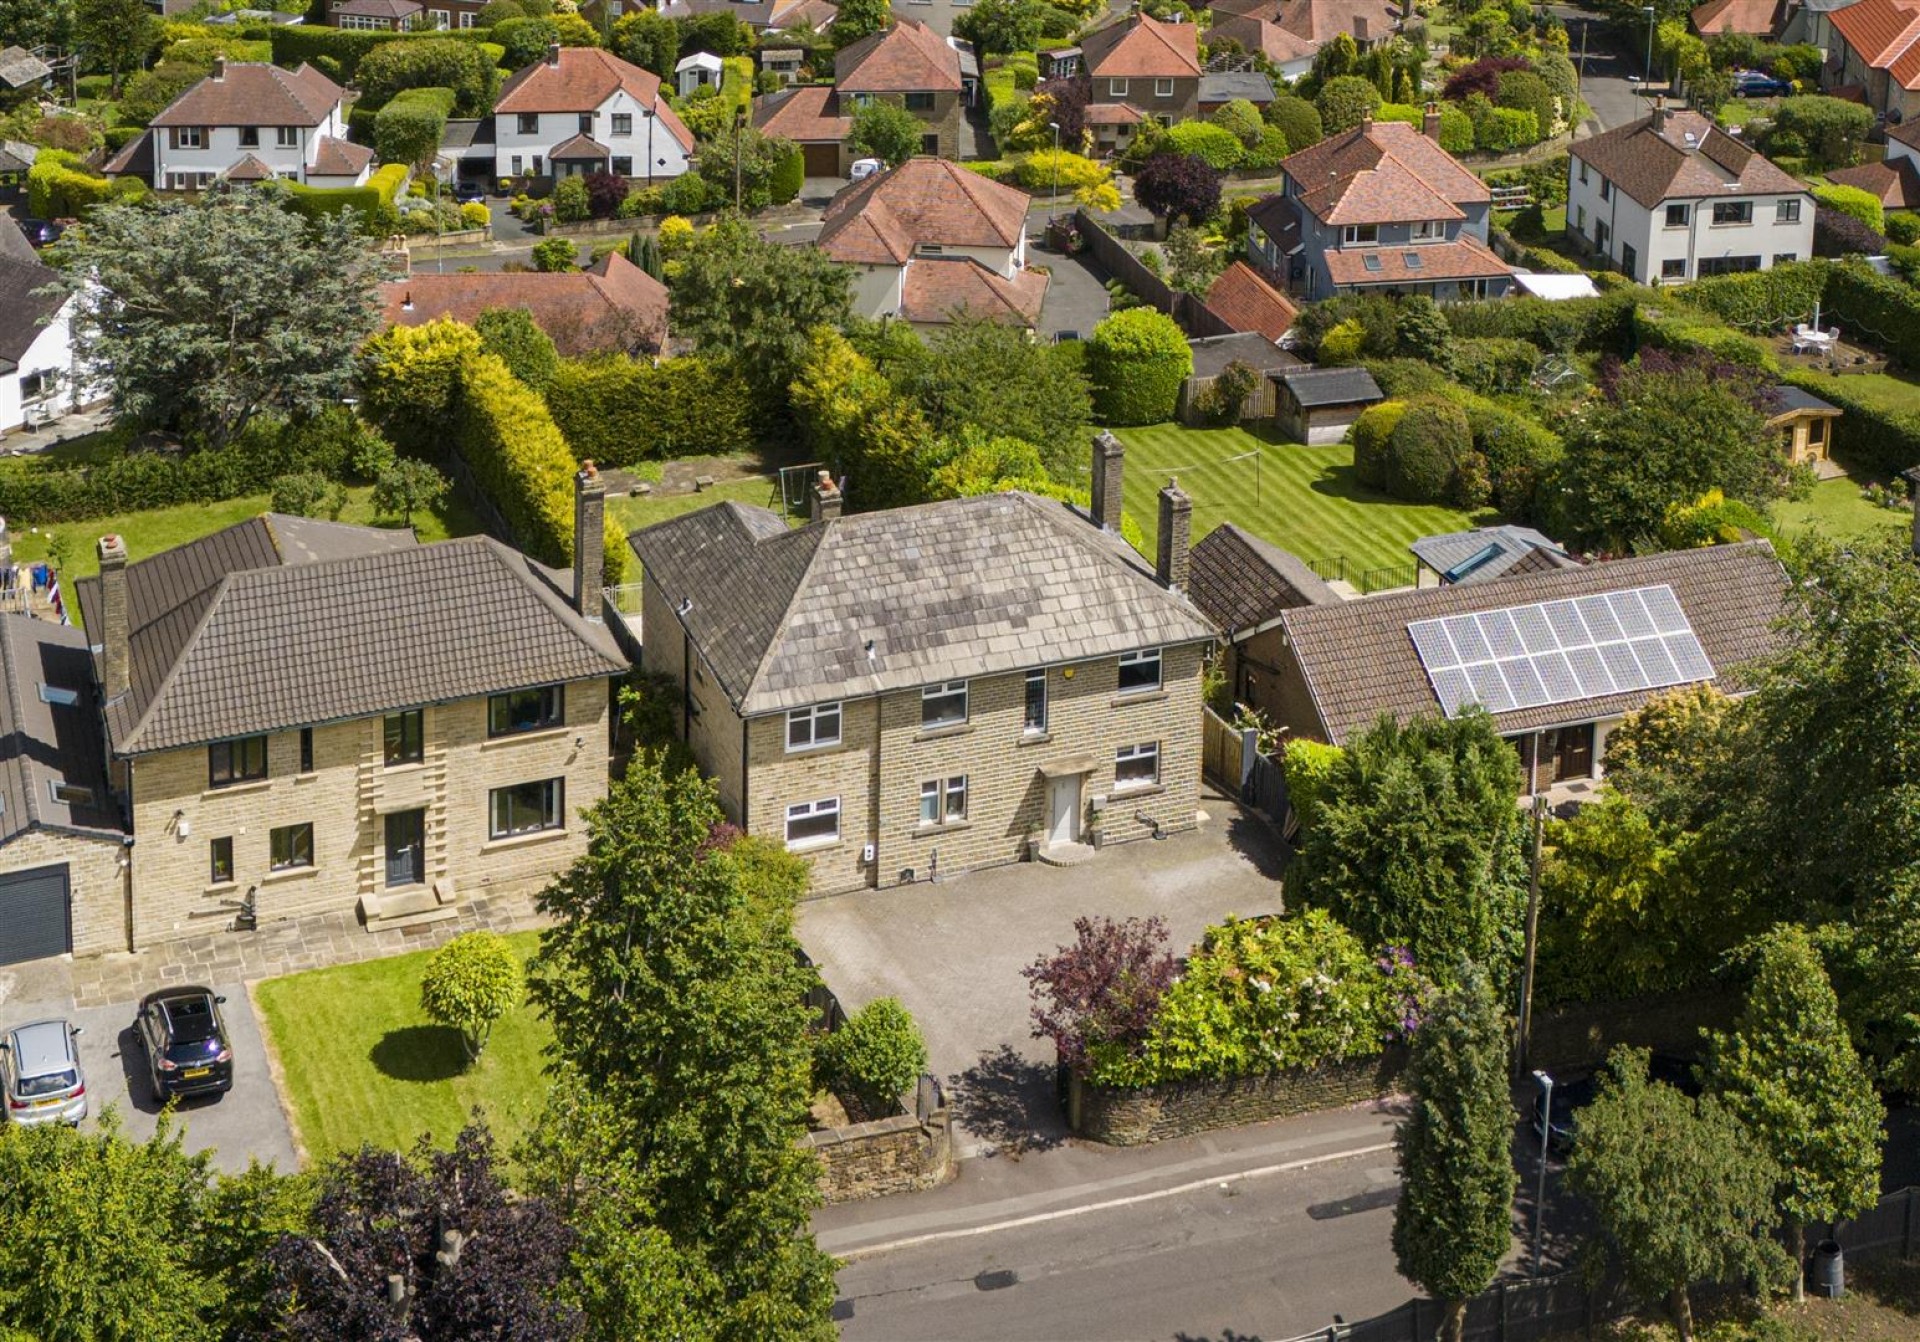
[40, 1072]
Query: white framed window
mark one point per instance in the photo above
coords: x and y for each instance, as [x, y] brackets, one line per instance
[1116, 88]
[1786, 211]
[1034, 723]
[519, 165]
[1426, 230]
[39, 385]
[943, 800]
[943, 705]
[466, 20]
[1136, 766]
[1674, 268]
[1163, 88]
[286, 136]
[622, 123]
[1361, 233]
[526, 808]
[1139, 671]
[813, 824]
[818, 725]
[188, 137]
[442, 20]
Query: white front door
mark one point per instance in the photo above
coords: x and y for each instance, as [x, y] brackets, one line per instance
[1064, 811]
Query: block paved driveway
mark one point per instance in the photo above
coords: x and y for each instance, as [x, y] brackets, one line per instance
[952, 953]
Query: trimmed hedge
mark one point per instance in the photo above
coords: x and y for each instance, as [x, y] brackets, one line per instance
[1429, 453]
[1495, 364]
[1763, 300]
[1681, 330]
[1137, 360]
[618, 411]
[372, 201]
[1885, 310]
[345, 48]
[1602, 325]
[60, 187]
[411, 113]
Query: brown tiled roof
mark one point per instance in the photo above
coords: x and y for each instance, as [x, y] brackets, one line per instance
[1760, 17]
[1462, 259]
[614, 307]
[1359, 661]
[339, 158]
[1879, 31]
[966, 587]
[1113, 114]
[879, 221]
[1382, 172]
[282, 622]
[1652, 166]
[135, 158]
[1323, 20]
[254, 94]
[1143, 48]
[585, 78]
[1254, 33]
[248, 168]
[908, 57]
[1221, 9]
[578, 146]
[1893, 180]
[1240, 581]
[1246, 302]
[936, 287]
[1907, 133]
[806, 115]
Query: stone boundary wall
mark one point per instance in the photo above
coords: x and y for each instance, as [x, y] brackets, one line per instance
[902, 1154]
[1125, 1116]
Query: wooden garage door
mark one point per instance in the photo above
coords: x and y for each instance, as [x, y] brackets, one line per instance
[33, 914]
[822, 160]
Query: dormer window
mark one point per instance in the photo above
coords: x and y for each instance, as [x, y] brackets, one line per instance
[1427, 230]
[1364, 235]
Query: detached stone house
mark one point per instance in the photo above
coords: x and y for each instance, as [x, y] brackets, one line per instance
[248, 122]
[584, 110]
[304, 717]
[1151, 66]
[1672, 197]
[905, 694]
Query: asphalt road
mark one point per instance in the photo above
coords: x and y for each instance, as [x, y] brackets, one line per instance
[1605, 83]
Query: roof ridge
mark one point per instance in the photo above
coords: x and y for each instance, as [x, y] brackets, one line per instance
[174, 671]
[979, 196]
[506, 556]
[829, 526]
[19, 761]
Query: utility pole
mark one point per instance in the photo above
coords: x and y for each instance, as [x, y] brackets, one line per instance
[1524, 1038]
[739, 133]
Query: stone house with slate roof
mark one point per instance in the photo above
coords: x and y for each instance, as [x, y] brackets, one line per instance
[905, 694]
[303, 716]
[1557, 657]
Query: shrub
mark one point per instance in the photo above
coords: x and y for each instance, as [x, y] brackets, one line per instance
[1481, 77]
[1344, 343]
[59, 186]
[1902, 226]
[875, 1057]
[1345, 101]
[1175, 186]
[1371, 433]
[1268, 151]
[1832, 129]
[1762, 300]
[475, 215]
[1297, 119]
[789, 176]
[458, 66]
[1601, 325]
[1838, 235]
[1044, 169]
[619, 411]
[1400, 378]
[1426, 452]
[308, 494]
[1137, 360]
[1852, 201]
[1221, 402]
[1500, 364]
[410, 127]
[555, 254]
[1217, 147]
[1309, 767]
[688, 193]
[512, 335]
[469, 984]
[570, 203]
[1519, 452]
[1102, 991]
[1241, 118]
[1524, 91]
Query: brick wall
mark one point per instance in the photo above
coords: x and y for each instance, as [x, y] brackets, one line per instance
[1132, 1117]
[96, 883]
[890, 1155]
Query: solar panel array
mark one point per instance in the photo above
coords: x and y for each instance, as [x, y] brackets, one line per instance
[1554, 652]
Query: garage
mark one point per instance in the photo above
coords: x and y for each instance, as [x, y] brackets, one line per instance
[34, 921]
[822, 160]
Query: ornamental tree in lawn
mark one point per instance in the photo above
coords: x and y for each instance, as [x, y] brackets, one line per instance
[205, 316]
[1453, 1225]
[1679, 1190]
[1789, 1072]
[886, 131]
[408, 486]
[470, 983]
[1178, 186]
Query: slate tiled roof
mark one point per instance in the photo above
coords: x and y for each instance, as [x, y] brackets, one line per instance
[1255, 87]
[49, 744]
[1884, 35]
[1464, 258]
[1211, 354]
[20, 67]
[339, 158]
[1246, 302]
[254, 94]
[935, 287]
[1317, 387]
[27, 309]
[1359, 662]
[908, 57]
[1142, 48]
[282, 622]
[965, 587]
[1485, 553]
[1655, 165]
[880, 220]
[611, 307]
[13, 240]
[809, 114]
[1279, 220]
[1759, 17]
[135, 158]
[584, 78]
[1382, 172]
[1894, 181]
[1907, 133]
[1254, 33]
[1788, 400]
[1240, 582]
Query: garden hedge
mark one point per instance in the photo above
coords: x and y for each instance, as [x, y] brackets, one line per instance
[1763, 300]
[1137, 360]
[411, 116]
[619, 411]
[372, 202]
[1495, 364]
[1602, 325]
[1883, 309]
[445, 62]
[1370, 434]
[345, 49]
[59, 186]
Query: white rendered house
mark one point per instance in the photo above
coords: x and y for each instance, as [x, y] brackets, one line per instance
[38, 378]
[584, 110]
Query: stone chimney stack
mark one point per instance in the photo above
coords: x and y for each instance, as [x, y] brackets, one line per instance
[115, 625]
[1659, 115]
[1176, 530]
[219, 67]
[589, 540]
[553, 54]
[1109, 459]
[1430, 123]
[1362, 31]
[824, 499]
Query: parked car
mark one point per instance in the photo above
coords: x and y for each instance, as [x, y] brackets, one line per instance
[465, 193]
[186, 1041]
[41, 232]
[864, 168]
[1569, 1098]
[1756, 84]
[40, 1071]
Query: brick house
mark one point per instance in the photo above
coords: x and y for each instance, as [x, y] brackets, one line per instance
[1149, 65]
[1876, 49]
[924, 690]
[302, 716]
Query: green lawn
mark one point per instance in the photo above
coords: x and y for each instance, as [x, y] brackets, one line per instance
[360, 1062]
[1837, 510]
[634, 511]
[1303, 499]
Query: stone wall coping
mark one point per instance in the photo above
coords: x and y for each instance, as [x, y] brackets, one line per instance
[879, 1127]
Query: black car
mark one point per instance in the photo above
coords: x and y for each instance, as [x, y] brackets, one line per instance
[186, 1040]
[1569, 1097]
[41, 232]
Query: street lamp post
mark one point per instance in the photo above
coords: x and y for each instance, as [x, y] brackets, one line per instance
[1053, 197]
[1545, 1083]
[1648, 11]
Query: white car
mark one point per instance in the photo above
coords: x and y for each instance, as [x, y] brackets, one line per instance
[864, 168]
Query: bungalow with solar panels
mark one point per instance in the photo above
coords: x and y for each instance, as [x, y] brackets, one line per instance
[1556, 657]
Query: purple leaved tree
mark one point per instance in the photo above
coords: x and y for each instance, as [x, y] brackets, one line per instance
[1103, 988]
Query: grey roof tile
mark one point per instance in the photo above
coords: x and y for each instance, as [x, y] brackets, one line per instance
[48, 744]
[1240, 581]
[1329, 386]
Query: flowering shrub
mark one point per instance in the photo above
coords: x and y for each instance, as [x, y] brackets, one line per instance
[1103, 990]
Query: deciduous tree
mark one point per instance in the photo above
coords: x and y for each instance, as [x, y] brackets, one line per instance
[886, 131]
[469, 984]
[859, 18]
[115, 34]
[1178, 186]
[1103, 988]
[409, 486]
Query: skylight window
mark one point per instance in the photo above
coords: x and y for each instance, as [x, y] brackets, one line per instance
[1414, 260]
[1372, 260]
[58, 694]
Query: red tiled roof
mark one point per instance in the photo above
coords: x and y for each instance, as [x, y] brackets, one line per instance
[254, 94]
[249, 168]
[1462, 259]
[881, 220]
[1760, 17]
[1257, 34]
[1323, 20]
[584, 78]
[909, 57]
[803, 115]
[1652, 166]
[1881, 33]
[339, 158]
[1382, 172]
[1143, 48]
[1894, 181]
[1246, 302]
[1112, 114]
[613, 307]
[936, 287]
[578, 147]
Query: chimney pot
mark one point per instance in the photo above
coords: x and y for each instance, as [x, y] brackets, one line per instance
[824, 499]
[1109, 460]
[1430, 123]
[219, 67]
[553, 53]
[1176, 529]
[589, 540]
[115, 626]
